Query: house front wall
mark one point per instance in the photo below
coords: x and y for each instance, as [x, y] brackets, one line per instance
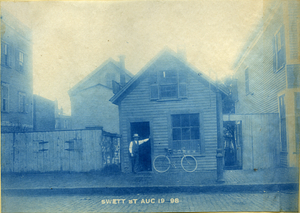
[92, 108]
[261, 81]
[137, 107]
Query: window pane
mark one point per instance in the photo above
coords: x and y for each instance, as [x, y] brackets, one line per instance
[185, 145]
[177, 145]
[168, 91]
[186, 133]
[175, 120]
[194, 119]
[185, 120]
[195, 133]
[176, 134]
[168, 77]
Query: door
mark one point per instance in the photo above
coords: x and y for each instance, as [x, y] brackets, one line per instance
[143, 130]
[232, 144]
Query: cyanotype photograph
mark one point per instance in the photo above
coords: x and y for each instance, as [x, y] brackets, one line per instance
[150, 106]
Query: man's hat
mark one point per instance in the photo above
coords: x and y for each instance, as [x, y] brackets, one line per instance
[135, 135]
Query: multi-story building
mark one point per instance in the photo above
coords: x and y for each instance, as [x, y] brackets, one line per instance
[268, 83]
[16, 75]
[90, 105]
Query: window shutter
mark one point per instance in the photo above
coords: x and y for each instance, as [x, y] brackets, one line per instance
[202, 138]
[182, 76]
[2, 52]
[182, 84]
[153, 85]
[10, 56]
[25, 62]
[153, 77]
[182, 90]
[283, 58]
[274, 53]
[154, 91]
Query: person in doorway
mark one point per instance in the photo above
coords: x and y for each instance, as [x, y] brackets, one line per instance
[134, 150]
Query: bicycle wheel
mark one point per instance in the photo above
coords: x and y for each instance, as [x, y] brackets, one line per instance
[189, 163]
[161, 163]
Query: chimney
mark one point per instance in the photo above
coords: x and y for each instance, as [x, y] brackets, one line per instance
[122, 61]
[122, 67]
[181, 52]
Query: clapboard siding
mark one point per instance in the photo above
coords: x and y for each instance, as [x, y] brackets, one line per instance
[264, 82]
[137, 104]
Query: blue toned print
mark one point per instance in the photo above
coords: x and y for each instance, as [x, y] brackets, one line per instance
[105, 116]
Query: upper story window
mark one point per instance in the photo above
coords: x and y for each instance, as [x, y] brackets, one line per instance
[279, 57]
[6, 54]
[4, 98]
[20, 61]
[168, 84]
[22, 102]
[186, 132]
[247, 84]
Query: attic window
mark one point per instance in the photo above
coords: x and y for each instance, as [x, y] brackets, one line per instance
[167, 84]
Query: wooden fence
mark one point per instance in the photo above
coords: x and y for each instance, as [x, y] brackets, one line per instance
[76, 151]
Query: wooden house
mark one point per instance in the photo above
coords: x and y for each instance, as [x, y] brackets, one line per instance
[177, 106]
[267, 107]
[90, 105]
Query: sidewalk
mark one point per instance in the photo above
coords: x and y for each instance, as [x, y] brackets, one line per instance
[235, 180]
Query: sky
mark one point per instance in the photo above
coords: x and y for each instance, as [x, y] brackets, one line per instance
[71, 39]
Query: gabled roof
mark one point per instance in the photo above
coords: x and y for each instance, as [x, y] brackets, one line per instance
[197, 74]
[98, 69]
[270, 9]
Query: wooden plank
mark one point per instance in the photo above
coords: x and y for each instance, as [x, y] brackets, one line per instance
[84, 165]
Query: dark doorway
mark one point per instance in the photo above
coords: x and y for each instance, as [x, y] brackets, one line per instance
[232, 145]
[143, 130]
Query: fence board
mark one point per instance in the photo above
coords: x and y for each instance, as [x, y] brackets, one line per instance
[29, 152]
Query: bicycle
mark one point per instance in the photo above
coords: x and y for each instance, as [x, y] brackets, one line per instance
[162, 163]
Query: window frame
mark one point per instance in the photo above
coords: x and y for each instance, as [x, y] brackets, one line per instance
[20, 63]
[200, 143]
[23, 108]
[279, 45]
[7, 54]
[2, 97]
[156, 83]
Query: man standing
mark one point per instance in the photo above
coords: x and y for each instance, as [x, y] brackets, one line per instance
[134, 150]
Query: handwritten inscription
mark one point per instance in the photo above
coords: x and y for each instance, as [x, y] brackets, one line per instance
[139, 201]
